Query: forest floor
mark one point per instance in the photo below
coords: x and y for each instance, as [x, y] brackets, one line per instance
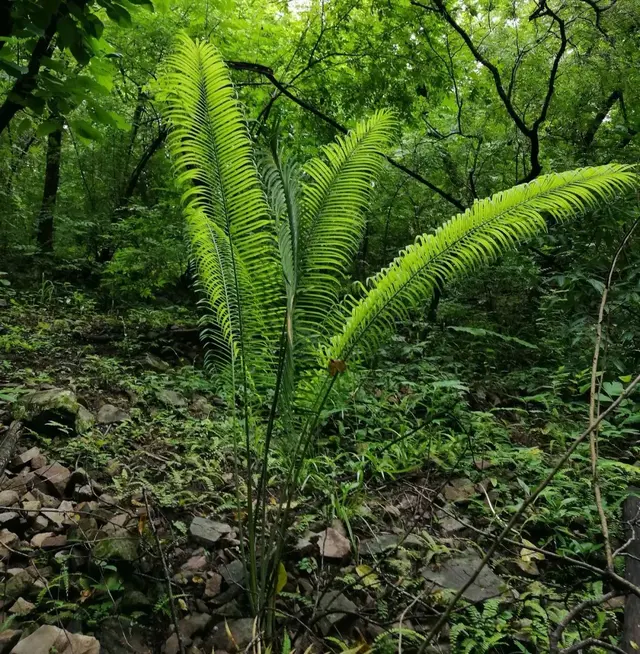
[129, 490]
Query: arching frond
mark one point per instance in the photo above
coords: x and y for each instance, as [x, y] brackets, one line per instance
[332, 222]
[460, 245]
[223, 202]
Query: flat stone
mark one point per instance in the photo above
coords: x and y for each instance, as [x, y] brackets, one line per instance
[454, 574]
[110, 414]
[48, 501]
[212, 587]
[56, 477]
[337, 607]
[233, 574]
[84, 420]
[39, 524]
[241, 632]
[9, 498]
[449, 525]
[208, 532]
[83, 493]
[384, 542]
[39, 539]
[8, 542]
[171, 398]
[9, 518]
[201, 408]
[195, 564]
[38, 462]
[459, 490]
[22, 607]
[114, 542]
[152, 361]
[25, 458]
[333, 545]
[8, 638]
[21, 483]
[54, 542]
[49, 638]
[32, 507]
[194, 624]
[172, 645]
[18, 585]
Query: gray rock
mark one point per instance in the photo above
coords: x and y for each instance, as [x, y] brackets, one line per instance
[84, 420]
[201, 408]
[9, 519]
[233, 574]
[8, 542]
[454, 574]
[333, 545]
[241, 634]
[115, 543]
[208, 532]
[120, 635]
[110, 414]
[338, 607]
[194, 624]
[18, 585]
[171, 398]
[152, 361]
[212, 587]
[172, 645]
[8, 638]
[459, 490]
[55, 476]
[25, 458]
[9, 498]
[384, 542]
[39, 408]
[22, 607]
[49, 638]
[33, 507]
[195, 564]
[135, 599]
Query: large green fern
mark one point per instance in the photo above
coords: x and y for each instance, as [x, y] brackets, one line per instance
[272, 250]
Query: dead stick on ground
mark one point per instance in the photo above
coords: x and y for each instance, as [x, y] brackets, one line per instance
[9, 443]
[172, 605]
[516, 516]
[593, 438]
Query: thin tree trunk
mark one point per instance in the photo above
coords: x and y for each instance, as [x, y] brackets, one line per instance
[50, 192]
[631, 631]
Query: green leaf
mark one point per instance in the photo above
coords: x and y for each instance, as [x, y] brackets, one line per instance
[85, 130]
[119, 15]
[49, 126]
[282, 578]
[24, 125]
[11, 68]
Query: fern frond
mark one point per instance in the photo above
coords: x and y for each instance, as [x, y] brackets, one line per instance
[490, 227]
[223, 202]
[332, 222]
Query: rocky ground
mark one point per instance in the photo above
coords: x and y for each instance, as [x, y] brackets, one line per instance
[117, 515]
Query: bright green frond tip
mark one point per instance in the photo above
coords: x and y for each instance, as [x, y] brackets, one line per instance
[232, 237]
[476, 237]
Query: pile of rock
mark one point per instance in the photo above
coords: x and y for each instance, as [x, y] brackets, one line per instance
[46, 512]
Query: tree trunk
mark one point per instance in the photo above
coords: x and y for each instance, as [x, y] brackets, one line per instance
[50, 192]
[631, 515]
